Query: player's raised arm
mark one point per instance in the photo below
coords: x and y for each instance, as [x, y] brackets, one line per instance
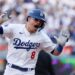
[2, 20]
[5, 28]
[61, 41]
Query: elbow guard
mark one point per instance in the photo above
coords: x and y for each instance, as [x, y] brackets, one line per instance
[1, 30]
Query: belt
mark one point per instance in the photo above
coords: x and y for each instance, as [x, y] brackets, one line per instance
[20, 68]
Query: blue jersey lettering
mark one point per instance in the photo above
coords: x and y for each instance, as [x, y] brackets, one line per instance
[19, 44]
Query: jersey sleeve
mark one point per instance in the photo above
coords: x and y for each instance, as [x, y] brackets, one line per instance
[8, 30]
[47, 44]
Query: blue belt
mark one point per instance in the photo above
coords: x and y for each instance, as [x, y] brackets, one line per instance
[20, 68]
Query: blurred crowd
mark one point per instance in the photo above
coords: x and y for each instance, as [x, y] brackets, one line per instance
[59, 14]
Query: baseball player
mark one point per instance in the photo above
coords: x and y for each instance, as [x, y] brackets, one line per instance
[26, 40]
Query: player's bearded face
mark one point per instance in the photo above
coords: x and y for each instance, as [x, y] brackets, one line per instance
[34, 24]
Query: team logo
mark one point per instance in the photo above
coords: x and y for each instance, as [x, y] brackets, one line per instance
[19, 44]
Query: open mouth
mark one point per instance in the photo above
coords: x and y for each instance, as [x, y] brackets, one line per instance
[37, 26]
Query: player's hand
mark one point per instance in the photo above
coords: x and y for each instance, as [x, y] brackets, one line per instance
[63, 36]
[4, 16]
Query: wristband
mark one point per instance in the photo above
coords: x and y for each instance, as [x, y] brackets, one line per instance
[59, 48]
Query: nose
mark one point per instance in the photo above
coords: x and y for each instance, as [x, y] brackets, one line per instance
[38, 21]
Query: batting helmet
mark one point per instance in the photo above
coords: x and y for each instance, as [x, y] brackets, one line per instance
[38, 14]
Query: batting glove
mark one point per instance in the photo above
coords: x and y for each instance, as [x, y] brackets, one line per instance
[63, 36]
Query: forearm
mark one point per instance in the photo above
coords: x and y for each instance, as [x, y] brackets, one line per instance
[61, 41]
[58, 49]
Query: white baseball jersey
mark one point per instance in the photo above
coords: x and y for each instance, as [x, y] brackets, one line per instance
[23, 47]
